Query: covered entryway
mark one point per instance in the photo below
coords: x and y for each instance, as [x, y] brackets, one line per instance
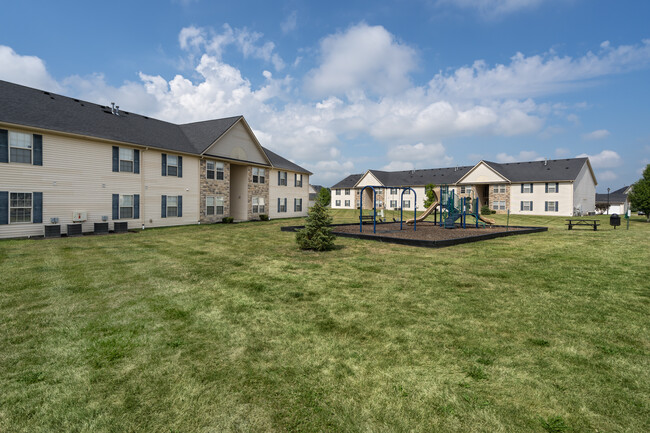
[239, 192]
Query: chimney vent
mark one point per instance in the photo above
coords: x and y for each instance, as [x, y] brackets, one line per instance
[112, 107]
[117, 110]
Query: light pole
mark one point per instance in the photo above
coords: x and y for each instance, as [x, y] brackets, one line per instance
[607, 201]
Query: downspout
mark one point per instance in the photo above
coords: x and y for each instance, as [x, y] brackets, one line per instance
[142, 188]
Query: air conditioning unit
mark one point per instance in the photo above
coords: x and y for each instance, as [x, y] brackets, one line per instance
[78, 216]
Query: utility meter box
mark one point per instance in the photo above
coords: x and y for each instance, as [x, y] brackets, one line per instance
[79, 216]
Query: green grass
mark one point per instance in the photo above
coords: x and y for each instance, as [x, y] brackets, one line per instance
[232, 328]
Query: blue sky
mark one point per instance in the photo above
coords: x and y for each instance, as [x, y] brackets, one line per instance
[342, 87]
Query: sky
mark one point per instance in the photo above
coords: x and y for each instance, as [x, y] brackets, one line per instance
[343, 87]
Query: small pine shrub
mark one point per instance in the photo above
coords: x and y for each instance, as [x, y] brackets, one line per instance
[264, 217]
[317, 234]
[227, 220]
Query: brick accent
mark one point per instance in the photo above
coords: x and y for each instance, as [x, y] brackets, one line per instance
[500, 197]
[260, 190]
[214, 188]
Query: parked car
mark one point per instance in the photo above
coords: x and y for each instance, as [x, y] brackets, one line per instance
[640, 213]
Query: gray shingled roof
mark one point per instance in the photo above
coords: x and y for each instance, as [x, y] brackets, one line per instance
[540, 171]
[437, 176]
[26, 106]
[615, 197]
[348, 182]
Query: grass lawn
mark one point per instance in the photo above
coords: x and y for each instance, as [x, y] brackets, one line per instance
[217, 328]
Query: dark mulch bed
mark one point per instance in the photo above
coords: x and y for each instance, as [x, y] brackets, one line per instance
[427, 234]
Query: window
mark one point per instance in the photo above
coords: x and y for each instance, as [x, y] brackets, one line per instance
[219, 167]
[338, 192]
[259, 175]
[20, 147]
[465, 189]
[527, 205]
[282, 204]
[499, 205]
[258, 204]
[552, 187]
[126, 206]
[172, 206]
[407, 204]
[338, 203]
[126, 160]
[551, 206]
[214, 206]
[282, 178]
[297, 204]
[298, 180]
[209, 167]
[172, 166]
[393, 204]
[499, 189]
[526, 188]
[20, 207]
[393, 191]
[347, 191]
[347, 203]
[407, 191]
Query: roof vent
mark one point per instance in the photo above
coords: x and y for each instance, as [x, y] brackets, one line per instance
[545, 161]
[115, 109]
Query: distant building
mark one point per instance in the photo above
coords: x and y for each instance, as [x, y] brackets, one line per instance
[550, 187]
[615, 202]
[314, 190]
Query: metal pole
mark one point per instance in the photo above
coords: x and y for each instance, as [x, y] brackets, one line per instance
[607, 201]
[508, 220]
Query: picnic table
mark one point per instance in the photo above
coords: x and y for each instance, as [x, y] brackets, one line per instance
[582, 222]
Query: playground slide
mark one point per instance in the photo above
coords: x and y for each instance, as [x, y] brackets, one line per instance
[486, 220]
[425, 214]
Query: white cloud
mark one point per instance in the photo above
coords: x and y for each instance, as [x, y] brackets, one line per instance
[419, 155]
[398, 166]
[604, 159]
[363, 57]
[290, 22]
[607, 175]
[330, 171]
[524, 155]
[562, 152]
[26, 70]
[493, 8]
[596, 135]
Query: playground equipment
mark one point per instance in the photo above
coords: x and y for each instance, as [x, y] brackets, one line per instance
[373, 217]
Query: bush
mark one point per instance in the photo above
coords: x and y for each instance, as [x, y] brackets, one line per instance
[264, 217]
[485, 210]
[227, 220]
[317, 235]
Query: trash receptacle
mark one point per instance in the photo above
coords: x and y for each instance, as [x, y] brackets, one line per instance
[615, 220]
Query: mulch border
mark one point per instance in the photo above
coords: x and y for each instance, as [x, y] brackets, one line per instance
[520, 230]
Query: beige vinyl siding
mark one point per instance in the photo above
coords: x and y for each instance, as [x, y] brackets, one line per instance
[290, 192]
[482, 174]
[238, 143]
[156, 185]
[539, 196]
[584, 191]
[76, 175]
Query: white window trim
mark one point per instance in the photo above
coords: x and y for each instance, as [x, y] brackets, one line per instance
[175, 197]
[262, 206]
[337, 203]
[132, 207]
[30, 148]
[298, 180]
[31, 212]
[172, 165]
[132, 160]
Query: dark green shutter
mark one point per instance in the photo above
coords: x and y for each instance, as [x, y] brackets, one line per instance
[531, 205]
[278, 204]
[285, 205]
[116, 159]
[546, 206]
[4, 146]
[116, 206]
[556, 206]
[136, 161]
[180, 166]
[37, 204]
[4, 207]
[521, 205]
[136, 206]
[557, 186]
[546, 186]
[295, 204]
[278, 181]
[180, 206]
[522, 188]
[164, 165]
[295, 179]
[37, 149]
[163, 207]
[531, 188]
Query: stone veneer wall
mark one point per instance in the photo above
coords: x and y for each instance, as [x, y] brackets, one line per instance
[214, 187]
[367, 199]
[500, 197]
[260, 190]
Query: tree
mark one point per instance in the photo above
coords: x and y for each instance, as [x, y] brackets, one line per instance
[317, 234]
[640, 194]
[430, 195]
[324, 196]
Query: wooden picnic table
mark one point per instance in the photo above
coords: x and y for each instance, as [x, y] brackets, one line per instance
[582, 222]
